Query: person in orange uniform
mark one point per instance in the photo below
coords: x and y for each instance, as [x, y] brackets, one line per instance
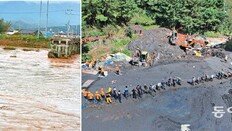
[90, 96]
[102, 92]
[97, 96]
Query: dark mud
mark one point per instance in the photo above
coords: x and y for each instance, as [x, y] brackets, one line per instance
[156, 41]
[169, 109]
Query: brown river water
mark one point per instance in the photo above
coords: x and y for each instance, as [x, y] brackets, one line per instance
[37, 92]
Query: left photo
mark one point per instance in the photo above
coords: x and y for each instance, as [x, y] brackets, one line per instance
[40, 65]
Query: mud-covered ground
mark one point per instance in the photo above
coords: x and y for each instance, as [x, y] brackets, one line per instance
[169, 108]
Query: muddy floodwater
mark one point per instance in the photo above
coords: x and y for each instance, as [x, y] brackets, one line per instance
[37, 92]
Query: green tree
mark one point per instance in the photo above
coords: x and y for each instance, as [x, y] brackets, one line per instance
[191, 15]
[4, 26]
[101, 13]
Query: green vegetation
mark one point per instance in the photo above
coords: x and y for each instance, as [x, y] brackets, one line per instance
[18, 40]
[29, 41]
[193, 16]
[112, 18]
[4, 26]
[212, 34]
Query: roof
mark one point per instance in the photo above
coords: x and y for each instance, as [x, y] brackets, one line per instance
[26, 31]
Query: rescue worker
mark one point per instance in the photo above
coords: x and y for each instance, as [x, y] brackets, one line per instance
[114, 93]
[145, 89]
[119, 96]
[90, 96]
[226, 58]
[178, 80]
[134, 93]
[173, 82]
[126, 92]
[102, 93]
[193, 80]
[211, 77]
[109, 90]
[163, 82]
[159, 85]
[108, 98]
[98, 96]
[139, 91]
[85, 93]
[153, 88]
[207, 78]
[117, 70]
[199, 80]
[169, 83]
[173, 36]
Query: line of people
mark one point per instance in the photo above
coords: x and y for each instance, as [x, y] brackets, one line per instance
[137, 92]
[206, 78]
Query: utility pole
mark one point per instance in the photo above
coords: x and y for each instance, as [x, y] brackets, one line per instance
[40, 11]
[69, 13]
[47, 16]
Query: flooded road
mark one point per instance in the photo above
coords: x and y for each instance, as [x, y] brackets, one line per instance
[37, 92]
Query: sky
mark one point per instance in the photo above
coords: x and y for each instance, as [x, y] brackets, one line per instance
[28, 11]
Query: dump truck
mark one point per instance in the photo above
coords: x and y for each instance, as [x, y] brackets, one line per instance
[63, 47]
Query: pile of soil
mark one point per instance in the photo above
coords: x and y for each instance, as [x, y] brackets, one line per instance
[156, 41]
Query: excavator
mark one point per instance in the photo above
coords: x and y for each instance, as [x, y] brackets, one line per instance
[186, 41]
[141, 58]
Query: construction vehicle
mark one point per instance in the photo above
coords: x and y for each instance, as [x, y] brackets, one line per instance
[63, 47]
[187, 41]
[141, 58]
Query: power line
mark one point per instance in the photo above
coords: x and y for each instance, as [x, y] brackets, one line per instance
[40, 11]
[47, 16]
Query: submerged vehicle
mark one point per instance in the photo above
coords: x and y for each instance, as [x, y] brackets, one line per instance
[64, 47]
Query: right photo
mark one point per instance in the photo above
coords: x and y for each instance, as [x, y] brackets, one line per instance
[156, 65]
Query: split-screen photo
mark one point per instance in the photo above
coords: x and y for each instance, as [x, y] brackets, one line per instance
[108, 65]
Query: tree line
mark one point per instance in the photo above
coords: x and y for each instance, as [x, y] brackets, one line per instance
[192, 16]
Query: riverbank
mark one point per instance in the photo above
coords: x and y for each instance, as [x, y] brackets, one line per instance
[28, 41]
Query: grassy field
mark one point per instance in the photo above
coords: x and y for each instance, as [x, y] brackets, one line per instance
[100, 49]
[28, 41]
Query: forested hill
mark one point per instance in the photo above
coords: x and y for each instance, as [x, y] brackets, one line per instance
[192, 16]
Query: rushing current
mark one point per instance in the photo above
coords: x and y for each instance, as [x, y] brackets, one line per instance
[46, 90]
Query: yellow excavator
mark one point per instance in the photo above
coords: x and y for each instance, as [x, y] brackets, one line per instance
[141, 58]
